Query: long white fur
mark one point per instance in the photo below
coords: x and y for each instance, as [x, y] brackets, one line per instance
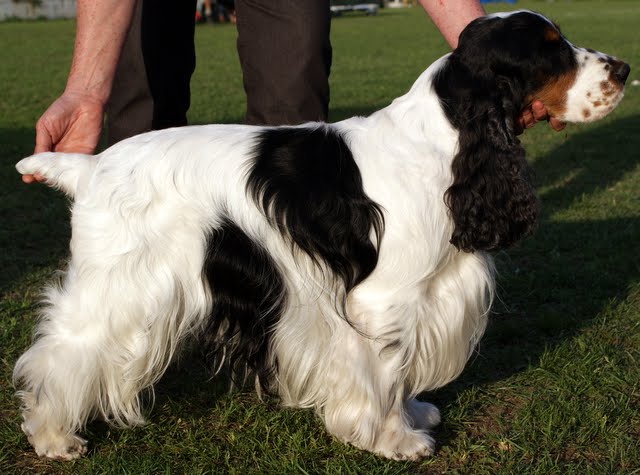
[134, 290]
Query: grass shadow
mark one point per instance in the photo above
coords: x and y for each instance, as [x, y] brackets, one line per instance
[35, 231]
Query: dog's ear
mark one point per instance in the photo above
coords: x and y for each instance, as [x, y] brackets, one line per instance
[491, 200]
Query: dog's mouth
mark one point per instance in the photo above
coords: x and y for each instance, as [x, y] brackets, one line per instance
[610, 94]
[599, 87]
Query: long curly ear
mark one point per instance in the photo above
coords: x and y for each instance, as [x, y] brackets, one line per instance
[492, 201]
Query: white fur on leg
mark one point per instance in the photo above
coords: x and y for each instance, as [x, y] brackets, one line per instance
[399, 441]
[361, 399]
[379, 429]
[110, 329]
[47, 436]
[56, 444]
[59, 384]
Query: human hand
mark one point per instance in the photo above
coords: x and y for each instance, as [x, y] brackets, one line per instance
[537, 112]
[73, 123]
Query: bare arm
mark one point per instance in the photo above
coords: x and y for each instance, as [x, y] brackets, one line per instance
[451, 16]
[102, 28]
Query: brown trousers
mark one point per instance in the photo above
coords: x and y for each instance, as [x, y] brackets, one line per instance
[129, 110]
[284, 51]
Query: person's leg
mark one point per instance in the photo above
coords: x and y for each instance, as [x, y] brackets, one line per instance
[285, 54]
[168, 27]
[130, 108]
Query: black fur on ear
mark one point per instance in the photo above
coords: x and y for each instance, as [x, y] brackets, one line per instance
[491, 200]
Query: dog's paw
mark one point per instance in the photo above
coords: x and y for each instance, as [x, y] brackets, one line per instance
[422, 414]
[405, 445]
[56, 445]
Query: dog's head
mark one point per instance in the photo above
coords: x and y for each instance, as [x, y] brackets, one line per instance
[502, 64]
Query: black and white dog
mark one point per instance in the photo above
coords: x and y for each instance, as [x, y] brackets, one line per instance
[346, 264]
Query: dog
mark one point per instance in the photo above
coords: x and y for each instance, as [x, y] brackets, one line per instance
[347, 265]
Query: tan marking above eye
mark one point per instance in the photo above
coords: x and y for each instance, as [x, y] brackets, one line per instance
[597, 104]
[551, 34]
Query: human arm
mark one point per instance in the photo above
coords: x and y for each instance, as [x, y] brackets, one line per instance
[451, 16]
[73, 122]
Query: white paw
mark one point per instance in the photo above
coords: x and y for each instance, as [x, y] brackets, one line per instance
[405, 445]
[56, 445]
[422, 414]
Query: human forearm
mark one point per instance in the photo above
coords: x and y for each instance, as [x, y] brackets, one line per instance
[451, 16]
[73, 122]
[102, 26]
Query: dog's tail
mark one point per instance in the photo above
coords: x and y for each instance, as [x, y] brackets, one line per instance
[64, 171]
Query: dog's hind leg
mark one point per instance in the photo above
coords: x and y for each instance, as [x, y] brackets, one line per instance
[107, 334]
[89, 358]
[58, 379]
[86, 361]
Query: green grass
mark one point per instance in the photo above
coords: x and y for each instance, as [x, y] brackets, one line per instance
[555, 385]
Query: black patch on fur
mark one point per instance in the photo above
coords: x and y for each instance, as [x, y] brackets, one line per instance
[482, 87]
[248, 299]
[309, 187]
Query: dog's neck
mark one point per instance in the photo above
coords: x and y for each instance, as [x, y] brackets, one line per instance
[418, 115]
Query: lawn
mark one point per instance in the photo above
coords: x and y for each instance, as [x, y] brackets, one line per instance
[555, 384]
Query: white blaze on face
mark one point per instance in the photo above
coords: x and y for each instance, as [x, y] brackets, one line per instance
[598, 86]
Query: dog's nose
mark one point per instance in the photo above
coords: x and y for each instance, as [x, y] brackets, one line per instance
[621, 72]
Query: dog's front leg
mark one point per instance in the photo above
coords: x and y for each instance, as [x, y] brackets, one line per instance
[366, 403]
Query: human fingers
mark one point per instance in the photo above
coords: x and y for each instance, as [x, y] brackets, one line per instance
[72, 123]
[33, 178]
[524, 121]
[539, 111]
[527, 119]
[44, 141]
[556, 124]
